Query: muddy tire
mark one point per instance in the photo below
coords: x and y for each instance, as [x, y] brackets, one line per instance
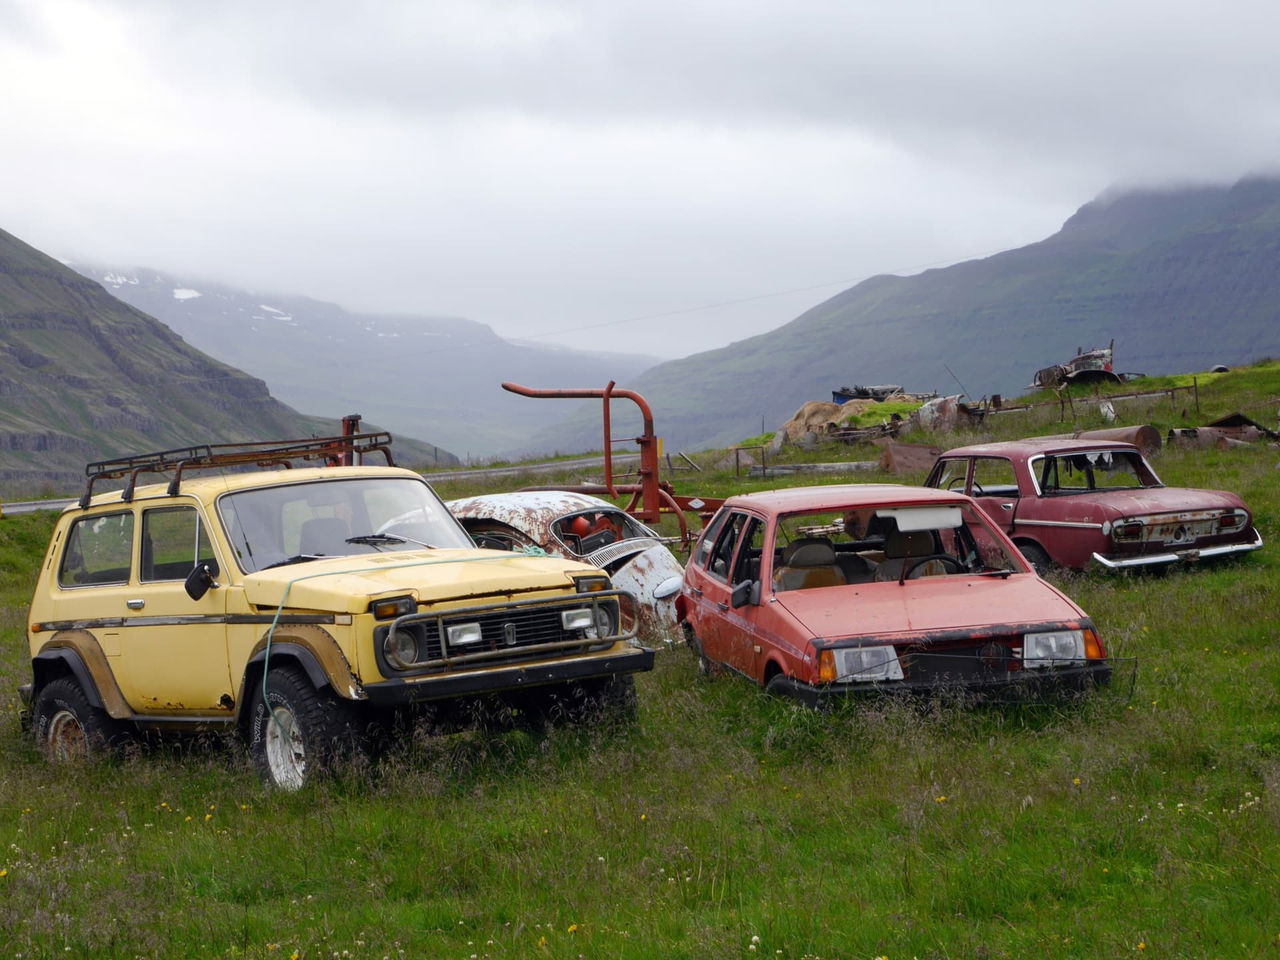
[67, 727]
[1036, 556]
[297, 732]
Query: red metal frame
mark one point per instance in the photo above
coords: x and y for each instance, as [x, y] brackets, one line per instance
[651, 497]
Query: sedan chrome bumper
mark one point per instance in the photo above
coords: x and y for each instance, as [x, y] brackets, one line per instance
[1178, 556]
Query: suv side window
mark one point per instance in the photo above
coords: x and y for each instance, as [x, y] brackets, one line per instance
[173, 542]
[99, 550]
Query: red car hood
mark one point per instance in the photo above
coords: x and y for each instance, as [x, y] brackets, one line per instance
[927, 605]
[1113, 504]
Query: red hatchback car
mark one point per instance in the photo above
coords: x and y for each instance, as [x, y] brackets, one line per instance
[1082, 502]
[820, 591]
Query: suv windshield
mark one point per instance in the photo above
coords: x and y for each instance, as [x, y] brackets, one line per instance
[270, 526]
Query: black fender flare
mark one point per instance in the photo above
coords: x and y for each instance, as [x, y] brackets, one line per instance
[310, 650]
[44, 671]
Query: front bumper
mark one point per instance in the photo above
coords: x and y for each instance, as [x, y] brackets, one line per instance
[508, 679]
[1020, 685]
[1178, 556]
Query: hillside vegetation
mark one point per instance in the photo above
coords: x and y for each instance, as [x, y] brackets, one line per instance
[1180, 279]
[84, 377]
[1143, 822]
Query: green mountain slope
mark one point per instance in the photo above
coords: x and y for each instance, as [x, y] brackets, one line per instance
[86, 377]
[1181, 279]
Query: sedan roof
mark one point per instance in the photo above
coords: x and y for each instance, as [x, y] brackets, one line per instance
[1037, 445]
[843, 496]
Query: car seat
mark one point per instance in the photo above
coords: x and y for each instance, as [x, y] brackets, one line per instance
[808, 562]
[900, 549]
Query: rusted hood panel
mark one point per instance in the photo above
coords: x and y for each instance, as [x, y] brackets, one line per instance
[1113, 504]
[346, 584]
[531, 511]
[927, 605]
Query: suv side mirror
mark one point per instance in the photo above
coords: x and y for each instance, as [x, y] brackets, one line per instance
[200, 580]
[748, 591]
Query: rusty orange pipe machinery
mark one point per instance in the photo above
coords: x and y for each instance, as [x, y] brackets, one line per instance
[651, 497]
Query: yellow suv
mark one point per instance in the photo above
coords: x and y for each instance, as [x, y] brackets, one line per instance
[303, 607]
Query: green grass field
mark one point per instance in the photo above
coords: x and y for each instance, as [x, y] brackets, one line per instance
[1144, 822]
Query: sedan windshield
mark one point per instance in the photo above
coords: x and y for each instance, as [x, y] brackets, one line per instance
[862, 545]
[272, 526]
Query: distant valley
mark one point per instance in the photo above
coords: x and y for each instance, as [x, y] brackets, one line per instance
[85, 377]
[419, 376]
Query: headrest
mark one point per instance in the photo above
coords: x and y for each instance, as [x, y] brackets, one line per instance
[809, 552]
[918, 543]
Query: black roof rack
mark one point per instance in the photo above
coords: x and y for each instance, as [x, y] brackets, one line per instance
[335, 451]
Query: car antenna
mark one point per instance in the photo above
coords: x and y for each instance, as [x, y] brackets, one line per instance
[957, 380]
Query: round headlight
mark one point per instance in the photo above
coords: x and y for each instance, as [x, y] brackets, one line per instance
[401, 646]
[606, 619]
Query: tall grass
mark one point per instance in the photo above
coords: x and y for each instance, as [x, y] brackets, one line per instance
[721, 823]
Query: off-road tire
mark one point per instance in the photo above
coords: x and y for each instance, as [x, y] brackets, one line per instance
[67, 728]
[303, 733]
[1036, 556]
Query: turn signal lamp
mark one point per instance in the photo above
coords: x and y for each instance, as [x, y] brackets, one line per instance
[1093, 646]
[826, 666]
[392, 607]
[591, 584]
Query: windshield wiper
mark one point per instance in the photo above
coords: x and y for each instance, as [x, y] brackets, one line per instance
[1002, 574]
[297, 558]
[382, 539]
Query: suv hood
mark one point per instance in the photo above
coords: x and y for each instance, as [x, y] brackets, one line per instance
[928, 605]
[347, 584]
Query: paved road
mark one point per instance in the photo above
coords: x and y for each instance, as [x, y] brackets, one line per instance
[30, 506]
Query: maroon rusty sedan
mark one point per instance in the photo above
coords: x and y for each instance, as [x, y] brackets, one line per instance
[820, 591]
[1081, 502]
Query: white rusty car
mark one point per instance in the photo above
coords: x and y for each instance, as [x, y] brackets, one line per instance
[581, 527]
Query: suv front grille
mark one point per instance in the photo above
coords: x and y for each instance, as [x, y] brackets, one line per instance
[508, 633]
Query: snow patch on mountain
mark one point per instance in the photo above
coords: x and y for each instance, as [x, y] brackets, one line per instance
[184, 293]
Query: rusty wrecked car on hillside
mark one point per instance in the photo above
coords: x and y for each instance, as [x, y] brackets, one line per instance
[578, 526]
[820, 592]
[1082, 502]
[302, 608]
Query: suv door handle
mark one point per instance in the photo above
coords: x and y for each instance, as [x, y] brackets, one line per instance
[695, 591]
[1006, 506]
[722, 606]
[135, 604]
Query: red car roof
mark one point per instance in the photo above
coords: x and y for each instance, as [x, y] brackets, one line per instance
[842, 496]
[1036, 445]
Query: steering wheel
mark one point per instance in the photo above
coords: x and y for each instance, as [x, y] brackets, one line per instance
[955, 482]
[909, 566]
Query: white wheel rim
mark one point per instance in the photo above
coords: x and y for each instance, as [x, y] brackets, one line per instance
[66, 738]
[286, 755]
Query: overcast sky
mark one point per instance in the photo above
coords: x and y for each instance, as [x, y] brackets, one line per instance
[545, 167]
